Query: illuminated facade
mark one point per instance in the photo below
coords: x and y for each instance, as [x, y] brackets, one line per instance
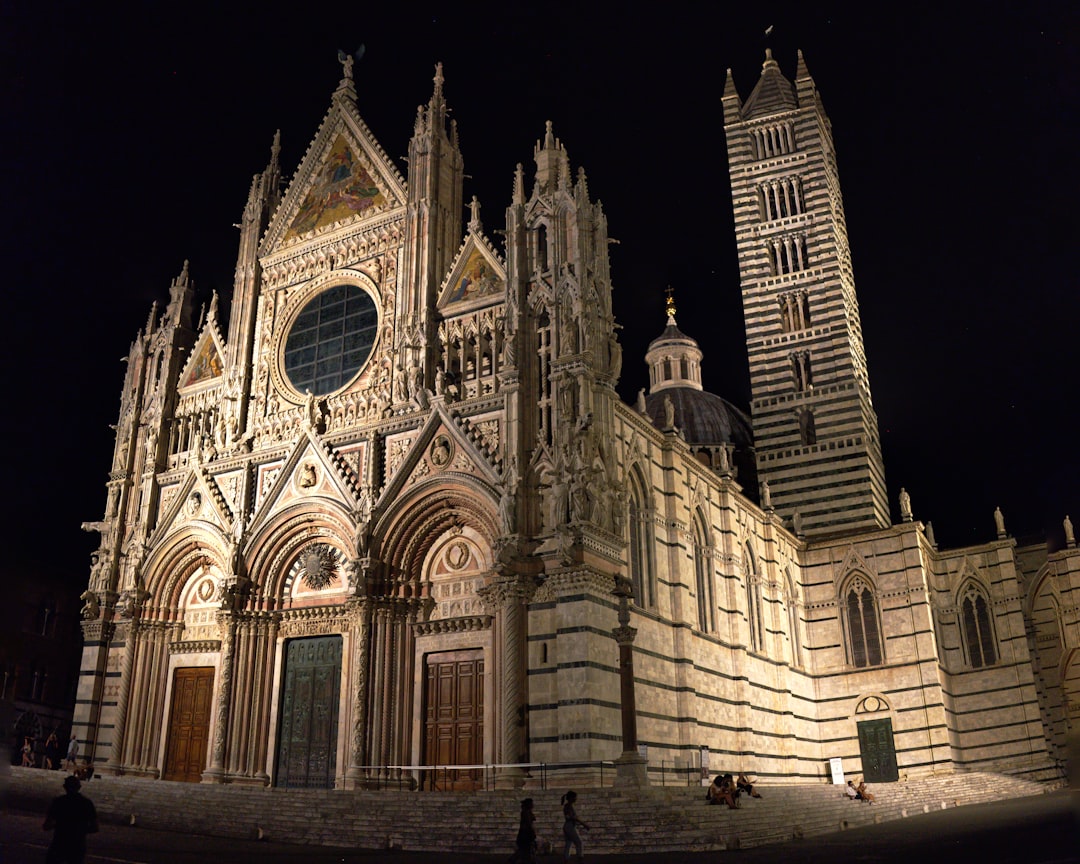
[377, 522]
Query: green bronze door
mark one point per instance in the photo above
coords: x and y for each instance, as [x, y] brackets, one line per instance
[307, 741]
[877, 751]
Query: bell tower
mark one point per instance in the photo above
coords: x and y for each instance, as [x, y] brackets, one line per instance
[815, 430]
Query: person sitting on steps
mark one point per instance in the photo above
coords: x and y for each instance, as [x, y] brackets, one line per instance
[864, 793]
[743, 784]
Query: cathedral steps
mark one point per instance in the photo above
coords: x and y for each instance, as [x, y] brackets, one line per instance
[656, 819]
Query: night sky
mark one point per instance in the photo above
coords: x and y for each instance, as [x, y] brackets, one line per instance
[131, 137]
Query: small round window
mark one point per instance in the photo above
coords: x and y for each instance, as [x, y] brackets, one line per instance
[331, 339]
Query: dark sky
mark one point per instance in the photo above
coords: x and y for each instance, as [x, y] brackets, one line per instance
[131, 136]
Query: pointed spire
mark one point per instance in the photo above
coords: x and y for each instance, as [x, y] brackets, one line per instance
[439, 80]
[184, 278]
[800, 70]
[731, 100]
[729, 85]
[670, 306]
[275, 149]
[211, 315]
[582, 184]
[150, 318]
[518, 196]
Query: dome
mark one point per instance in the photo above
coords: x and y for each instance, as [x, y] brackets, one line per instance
[703, 418]
[718, 434]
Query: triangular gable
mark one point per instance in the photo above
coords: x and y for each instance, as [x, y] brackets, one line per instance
[342, 188]
[206, 363]
[854, 561]
[199, 500]
[310, 472]
[427, 456]
[477, 276]
[345, 176]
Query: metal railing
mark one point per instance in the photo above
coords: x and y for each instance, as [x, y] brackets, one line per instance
[462, 778]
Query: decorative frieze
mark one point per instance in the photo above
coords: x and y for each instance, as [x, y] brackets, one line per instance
[195, 646]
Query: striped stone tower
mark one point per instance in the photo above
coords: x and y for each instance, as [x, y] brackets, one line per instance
[815, 429]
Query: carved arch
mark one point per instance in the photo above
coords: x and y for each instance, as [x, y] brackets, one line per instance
[270, 552]
[416, 521]
[180, 555]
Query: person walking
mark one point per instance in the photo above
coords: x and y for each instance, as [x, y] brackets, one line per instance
[571, 825]
[72, 753]
[71, 817]
[525, 852]
[52, 752]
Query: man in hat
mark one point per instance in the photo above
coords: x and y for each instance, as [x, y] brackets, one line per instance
[71, 817]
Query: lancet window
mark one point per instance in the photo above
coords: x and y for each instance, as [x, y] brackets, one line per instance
[787, 254]
[775, 139]
[703, 577]
[794, 310]
[543, 351]
[862, 623]
[472, 353]
[793, 619]
[801, 370]
[781, 198]
[754, 612]
[807, 427]
[192, 429]
[642, 552]
[977, 627]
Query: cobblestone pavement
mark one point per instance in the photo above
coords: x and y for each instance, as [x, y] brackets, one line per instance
[1039, 830]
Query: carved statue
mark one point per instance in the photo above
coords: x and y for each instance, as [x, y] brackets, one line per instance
[580, 498]
[91, 606]
[615, 356]
[669, 413]
[312, 410]
[1070, 537]
[507, 510]
[766, 495]
[999, 522]
[796, 523]
[725, 461]
[642, 408]
[905, 505]
[307, 476]
[618, 511]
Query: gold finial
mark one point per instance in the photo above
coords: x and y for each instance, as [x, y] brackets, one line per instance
[670, 304]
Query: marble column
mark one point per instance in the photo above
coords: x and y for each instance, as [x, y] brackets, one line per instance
[361, 654]
[506, 599]
[631, 769]
[227, 625]
[129, 631]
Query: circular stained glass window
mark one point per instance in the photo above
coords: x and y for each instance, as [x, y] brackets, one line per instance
[331, 339]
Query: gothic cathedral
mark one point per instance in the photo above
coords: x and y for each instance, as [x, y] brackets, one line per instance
[395, 515]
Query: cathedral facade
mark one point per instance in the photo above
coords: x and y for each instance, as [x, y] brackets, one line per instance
[388, 515]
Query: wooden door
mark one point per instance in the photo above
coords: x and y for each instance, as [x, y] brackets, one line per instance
[878, 751]
[311, 687]
[189, 724]
[454, 716]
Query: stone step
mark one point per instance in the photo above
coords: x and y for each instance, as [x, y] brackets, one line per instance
[639, 821]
